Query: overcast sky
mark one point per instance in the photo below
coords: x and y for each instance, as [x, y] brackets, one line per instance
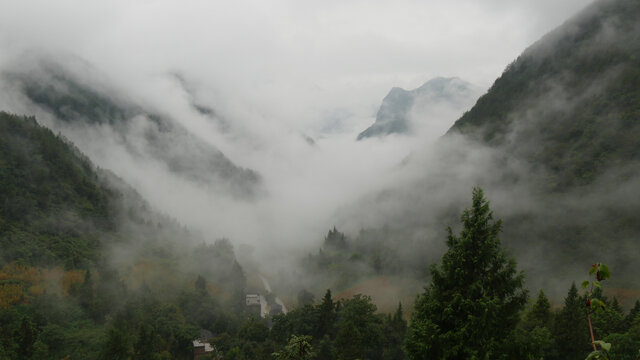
[290, 59]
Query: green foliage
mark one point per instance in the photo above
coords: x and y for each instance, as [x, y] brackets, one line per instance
[346, 329]
[539, 315]
[117, 346]
[25, 336]
[254, 330]
[574, 98]
[394, 328]
[298, 348]
[606, 321]
[473, 303]
[625, 346]
[633, 313]
[602, 352]
[335, 240]
[358, 329]
[533, 338]
[570, 328]
[326, 316]
[53, 207]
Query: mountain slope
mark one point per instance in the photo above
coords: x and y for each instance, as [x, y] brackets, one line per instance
[567, 111]
[570, 104]
[83, 257]
[57, 208]
[53, 207]
[143, 133]
[402, 110]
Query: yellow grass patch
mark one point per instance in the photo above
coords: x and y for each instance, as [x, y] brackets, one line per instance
[10, 294]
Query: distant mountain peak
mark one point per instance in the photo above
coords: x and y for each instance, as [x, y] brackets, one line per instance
[393, 116]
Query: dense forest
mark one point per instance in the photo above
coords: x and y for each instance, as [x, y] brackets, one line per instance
[80, 304]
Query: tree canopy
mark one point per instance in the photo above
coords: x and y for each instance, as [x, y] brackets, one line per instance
[474, 301]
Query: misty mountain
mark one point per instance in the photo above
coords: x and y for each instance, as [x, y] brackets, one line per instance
[570, 104]
[567, 112]
[202, 108]
[80, 247]
[78, 102]
[555, 143]
[439, 99]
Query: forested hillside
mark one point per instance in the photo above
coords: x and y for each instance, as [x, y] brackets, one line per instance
[54, 208]
[89, 271]
[570, 104]
[569, 109]
[86, 264]
[75, 102]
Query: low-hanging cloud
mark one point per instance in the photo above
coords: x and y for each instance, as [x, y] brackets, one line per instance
[294, 84]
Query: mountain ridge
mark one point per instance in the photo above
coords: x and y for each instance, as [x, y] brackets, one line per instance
[141, 132]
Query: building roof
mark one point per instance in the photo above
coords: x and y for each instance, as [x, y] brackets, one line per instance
[199, 343]
[252, 299]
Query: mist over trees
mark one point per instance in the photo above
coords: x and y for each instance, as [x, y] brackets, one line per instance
[92, 267]
[158, 301]
[554, 140]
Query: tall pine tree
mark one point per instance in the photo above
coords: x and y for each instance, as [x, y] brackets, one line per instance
[326, 316]
[473, 303]
[570, 330]
[540, 313]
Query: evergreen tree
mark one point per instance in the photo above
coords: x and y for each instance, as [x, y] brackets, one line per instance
[25, 337]
[394, 329]
[326, 316]
[335, 240]
[326, 350]
[570, 330]
[533, 339]
[359, 331]
[398, 321]
[615, 306]
[238, 284]
[117, 345]
[473, 303]
[84, 292]
[628, 320]
[143, 347]
[607, 321]
[540, 313]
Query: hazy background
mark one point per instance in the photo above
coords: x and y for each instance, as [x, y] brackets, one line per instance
[293, 83]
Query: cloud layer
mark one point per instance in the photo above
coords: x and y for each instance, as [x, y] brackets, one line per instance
[278, 73]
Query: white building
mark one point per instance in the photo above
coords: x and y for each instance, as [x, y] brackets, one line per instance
[252, 299]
